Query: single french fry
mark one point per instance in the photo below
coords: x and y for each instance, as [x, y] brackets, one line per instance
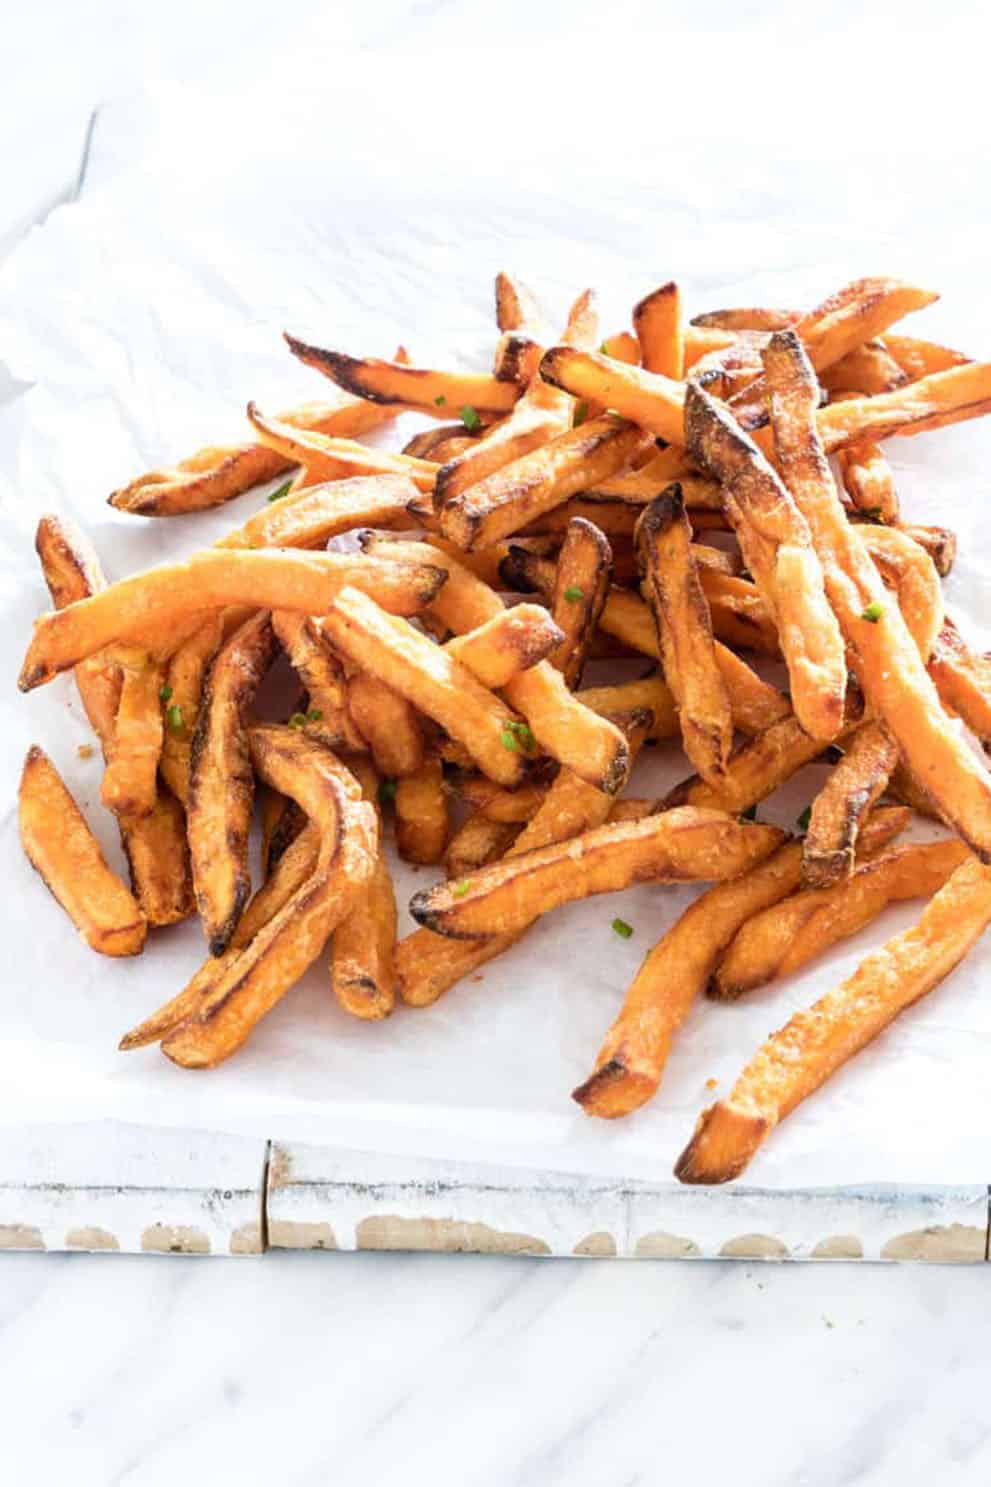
[476, 843]
[155, 844]
[757, 767]
[748, 318]
[325, 458]
[885, 654]
[284, 948]
[740, 613]
[513, 807]
[658, 324]
[130, 781]
[510, 642]
[650, 693]
[684, 630]
[221, 784]
[868, 369]
[868, 481]
[389, 383]
[630, 1063]
[855, 785]
[590, 745]
[650, 478]
[287, 876]
[214, 475]
[646, 398]
[932, 402]
[312, 516]
[907, 569]
[445, 442]
[780, 941]
[777, 546]
[389, 723]
[854, 314]
[422, 823]
[184, 676]
[920, 358]
[939, 542]
[362, 974]
[677, 846]
[303, 581]
[581, 582]
[524, 490]
[516, 306]
[963, 680]
[61, 847]
[424, 674]
[795, 1061]
[622, 347]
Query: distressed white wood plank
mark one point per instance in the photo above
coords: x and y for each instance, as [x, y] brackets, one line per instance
[326, 1199]
[108, 1186]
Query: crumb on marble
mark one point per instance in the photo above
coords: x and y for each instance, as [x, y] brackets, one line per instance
[85, 751]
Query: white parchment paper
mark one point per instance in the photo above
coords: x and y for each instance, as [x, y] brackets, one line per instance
[134, 327]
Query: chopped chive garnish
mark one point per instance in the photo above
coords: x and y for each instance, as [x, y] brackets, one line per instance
[803, 821]
[165, 693]
[581, 413]
[314, 715]
[523, 734]
[873, 612]
[283, 490]
[460, 889]
[440, 400]
[509, 740]
[298, 720]
[387, 790]
[173, 718]
[470, 418]
[573, 593]
[621, 928]
[750, 814]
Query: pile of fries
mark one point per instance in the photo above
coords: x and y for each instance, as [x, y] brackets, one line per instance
[664, 494]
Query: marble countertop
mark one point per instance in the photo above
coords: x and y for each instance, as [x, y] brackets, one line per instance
[301, 1368]
[490, 1372]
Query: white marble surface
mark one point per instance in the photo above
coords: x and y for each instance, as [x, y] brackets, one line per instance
[488, 1372]
[307, 1369]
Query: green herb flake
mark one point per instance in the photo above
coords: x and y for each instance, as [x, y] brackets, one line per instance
[314, 715]
[581, 413]
[298, 720]
[873, 612]
[460, 889]
[509, 740]
[165, 693]
[573, 593]
[523, 734]
[604, 348]
[440, 400]
[621, 928]
[387, 791]
[173, 718]
[803, 821]
[283, 490]
[470, 418]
